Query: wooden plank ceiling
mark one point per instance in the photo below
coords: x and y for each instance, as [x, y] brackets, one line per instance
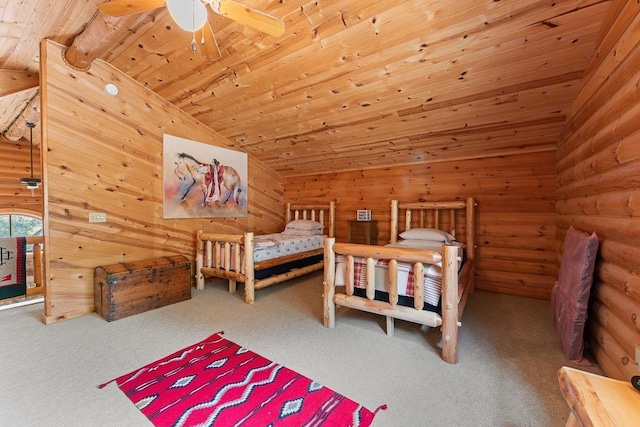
[350, 84]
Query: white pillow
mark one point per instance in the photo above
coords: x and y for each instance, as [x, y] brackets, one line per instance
[304, 224]
[307, 233]
[422, 244]
[427, 234]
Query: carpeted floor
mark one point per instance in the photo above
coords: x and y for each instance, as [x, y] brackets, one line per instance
[507, 374]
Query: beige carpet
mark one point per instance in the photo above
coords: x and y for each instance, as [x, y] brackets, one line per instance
[509, 358]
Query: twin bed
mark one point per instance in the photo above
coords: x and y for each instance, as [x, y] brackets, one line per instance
[425, 274]
[426, 277]
[261, 261]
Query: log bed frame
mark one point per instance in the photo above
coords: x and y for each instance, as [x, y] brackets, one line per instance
[218, 254]
[456, 287]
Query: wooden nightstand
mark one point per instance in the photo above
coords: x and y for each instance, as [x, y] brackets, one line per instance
[365, 232]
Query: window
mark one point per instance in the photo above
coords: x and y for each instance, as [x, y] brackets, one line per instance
[16, 225]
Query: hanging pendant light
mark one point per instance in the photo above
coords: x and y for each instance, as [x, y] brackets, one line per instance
[31, 182]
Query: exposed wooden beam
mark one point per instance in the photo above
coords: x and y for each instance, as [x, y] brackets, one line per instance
[31, 114]
[12, 81]
[97, 38]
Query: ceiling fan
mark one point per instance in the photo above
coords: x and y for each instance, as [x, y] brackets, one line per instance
[191, 15]
[31, 182]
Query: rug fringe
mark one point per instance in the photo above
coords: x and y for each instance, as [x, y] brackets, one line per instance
[106, 384]
[380, 408]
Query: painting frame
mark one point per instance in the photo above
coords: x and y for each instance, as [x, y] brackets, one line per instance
[201, 180]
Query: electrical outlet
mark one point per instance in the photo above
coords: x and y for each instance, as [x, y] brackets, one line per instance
[97, 217]
[638, 357]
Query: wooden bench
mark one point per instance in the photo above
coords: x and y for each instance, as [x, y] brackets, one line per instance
[599, 401]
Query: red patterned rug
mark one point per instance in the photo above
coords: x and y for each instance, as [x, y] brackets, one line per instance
[219, 383]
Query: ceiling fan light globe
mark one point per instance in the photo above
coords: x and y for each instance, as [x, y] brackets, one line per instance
[190, 15]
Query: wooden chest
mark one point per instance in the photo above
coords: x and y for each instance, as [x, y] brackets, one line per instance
[124, 289]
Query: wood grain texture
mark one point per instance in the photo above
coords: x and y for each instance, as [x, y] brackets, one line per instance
[15, 163]
[104, 154]
[350, 84]
[515, 237]
[599, 401]
[598, 167]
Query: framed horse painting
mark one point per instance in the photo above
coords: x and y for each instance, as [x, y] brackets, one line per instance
[202, 181]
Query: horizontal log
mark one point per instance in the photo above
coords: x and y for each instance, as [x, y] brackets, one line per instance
[619, 178]
[625, 309]
[432, 205]
[263, 283]
[620, 331]
[421, 317]
[425, 256]
[624, 230]
[222, 274]
[617, 355]
[623, 203]
[604, 359]
[228, 238]
[620, 278]
[615, 153]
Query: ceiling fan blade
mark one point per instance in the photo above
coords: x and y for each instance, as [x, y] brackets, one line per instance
[249, 16]
[208, 42]
[125, 7]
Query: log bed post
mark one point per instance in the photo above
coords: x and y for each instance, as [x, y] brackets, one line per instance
[332, 218]
[199, 261]
[249, 283]
[471, 226]
[394, 221]
[449, 304]
[329, 306]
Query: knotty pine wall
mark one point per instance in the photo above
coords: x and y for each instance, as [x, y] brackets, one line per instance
[15, 163]
[515, 231]
[104, 154]
[599, 169]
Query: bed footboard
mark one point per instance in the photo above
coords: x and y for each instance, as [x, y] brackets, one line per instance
[231, 257]
[391, 310]
[225, 256]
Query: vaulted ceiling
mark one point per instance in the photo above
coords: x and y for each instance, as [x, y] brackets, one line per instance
[350, 84]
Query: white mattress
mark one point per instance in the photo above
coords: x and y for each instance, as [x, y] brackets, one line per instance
[271, 246]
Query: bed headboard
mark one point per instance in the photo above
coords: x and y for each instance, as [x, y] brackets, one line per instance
[455, 217]
[325, 214]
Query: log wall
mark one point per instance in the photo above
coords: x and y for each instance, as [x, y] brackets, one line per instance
[515, 231]
[598, 171]
[15, 163]
[103, 153]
